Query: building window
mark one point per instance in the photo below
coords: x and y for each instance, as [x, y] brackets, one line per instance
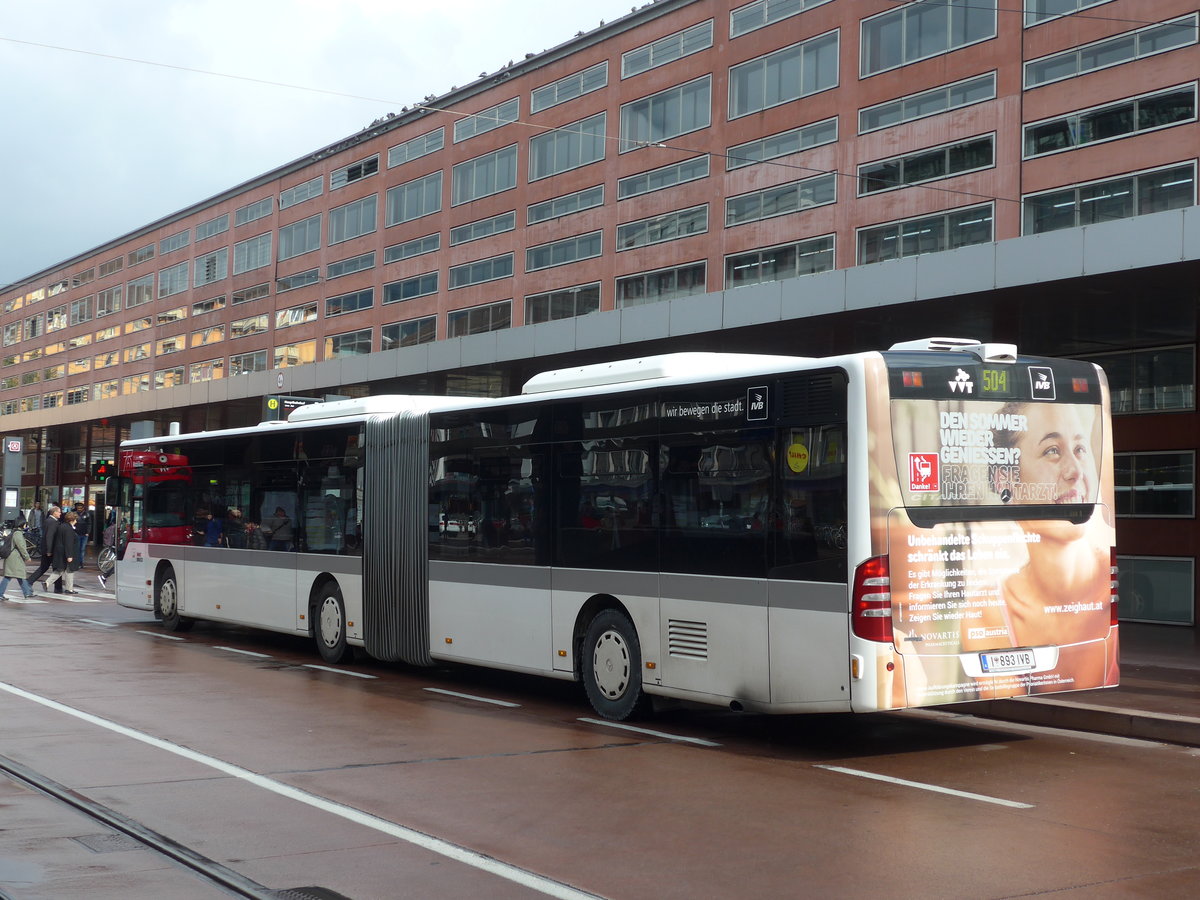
[667, 49]
[135, 384]
[211, 267]
[411, 288]
[409, 334]
[354, 343]
[930, 234]
[350, 266]
[921, 30]
[667, 227]
[1156, 485]
[557, 207]
[474, 231]
[479, 319]
[75, 396]
[141, 323]
[253, 211]
[212, 304]
[781, 200]
[174, 242]
[783, 76]
[169, 378]
[257, 292]
[419, 146]
[299, 238]
[665, 177]
[12, 334]
[1113, 51]
[345, 304]
[1119, 198]
[111, 358]
[667, 114]
[487, 119]
[245, 363]
[251, 325]
[783, 144]
[139, 291]
[108, 302]
[107, 334]
[356, 171]
[136, 353]
[112, 267]
[419, 197]
[563, 252]
[202, 337]
[764, 12]
[572, 86]
[1156, 380]
[141, 254]
[296, 315]
[87, 276]
[481, 270]
[352, 220]
[565, 303]
[485, 175]
[1106, 123]
[301, 192]
[106, 390]
[254, 253]
[212, 227]
[1156, 589]
[173, 280]
[928, 165]
[166, 346]
[34, 325]
[567, 147]
[81, 310]
[927, 103]
[662, 284]
[415, 247]
[778, 263]
[1037, 11]
[209, 370]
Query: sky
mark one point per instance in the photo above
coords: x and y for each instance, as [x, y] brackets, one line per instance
[97, 143]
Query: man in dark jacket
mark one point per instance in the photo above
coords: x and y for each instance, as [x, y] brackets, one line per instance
[50, 535]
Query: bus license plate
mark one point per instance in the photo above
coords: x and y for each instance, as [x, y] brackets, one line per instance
[1007, 661]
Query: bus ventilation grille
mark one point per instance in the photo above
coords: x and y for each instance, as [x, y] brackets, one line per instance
[687, 639]
[817, 398]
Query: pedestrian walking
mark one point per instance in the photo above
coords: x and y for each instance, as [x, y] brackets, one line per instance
[83, 532]
[16, 562]
[50, 534]
[64, 562]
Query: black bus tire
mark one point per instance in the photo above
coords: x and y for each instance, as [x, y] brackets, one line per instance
[329, 624]
[166, 602]
[611, 662]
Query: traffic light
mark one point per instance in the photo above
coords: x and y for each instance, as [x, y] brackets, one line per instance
[103, 468]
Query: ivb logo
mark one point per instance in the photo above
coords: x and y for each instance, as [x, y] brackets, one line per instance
[1041, 382]
[756, 404]
[962, 383]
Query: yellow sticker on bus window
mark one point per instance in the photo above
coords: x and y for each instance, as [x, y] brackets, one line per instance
[797, 457]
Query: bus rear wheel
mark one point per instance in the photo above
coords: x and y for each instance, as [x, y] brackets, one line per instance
[167, 603]
[329, 625]
[612, 666]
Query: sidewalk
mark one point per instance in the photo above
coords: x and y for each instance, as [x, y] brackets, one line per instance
[1158, 698]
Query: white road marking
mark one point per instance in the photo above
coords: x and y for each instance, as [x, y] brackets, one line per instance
[98, 622]
[471, 697]
[983, 798]
[165, 637]
[34, 599]
[339, 671]
[428, 842]
[244, 652]
[658, 734]
[82, 600]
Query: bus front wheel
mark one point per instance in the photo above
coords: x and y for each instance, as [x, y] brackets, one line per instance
[330, 625]
[167, 602]
[612, 666]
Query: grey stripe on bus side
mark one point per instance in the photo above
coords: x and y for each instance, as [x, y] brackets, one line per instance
[260, 559]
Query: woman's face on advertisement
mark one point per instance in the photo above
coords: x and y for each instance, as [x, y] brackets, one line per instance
[1057, 450]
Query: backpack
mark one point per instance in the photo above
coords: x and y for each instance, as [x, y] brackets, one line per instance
[6, 543]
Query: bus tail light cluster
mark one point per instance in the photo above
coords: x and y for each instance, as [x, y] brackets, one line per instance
[871, 609]
[1113, 586]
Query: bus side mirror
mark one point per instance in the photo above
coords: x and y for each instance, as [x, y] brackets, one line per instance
[116, 491]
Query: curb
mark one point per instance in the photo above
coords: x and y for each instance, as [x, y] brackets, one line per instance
[1141, 724]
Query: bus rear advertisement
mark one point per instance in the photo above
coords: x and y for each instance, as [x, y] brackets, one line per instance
[918, 526]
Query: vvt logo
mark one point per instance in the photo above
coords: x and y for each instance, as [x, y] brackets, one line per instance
[756, 404]
[962, 383]
[1041, 382]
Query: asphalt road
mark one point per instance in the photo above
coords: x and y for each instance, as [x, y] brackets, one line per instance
[242, 752]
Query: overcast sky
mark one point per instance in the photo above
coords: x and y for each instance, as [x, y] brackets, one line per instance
[95, 146]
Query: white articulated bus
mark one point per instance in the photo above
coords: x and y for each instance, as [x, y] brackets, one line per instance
[923, 525]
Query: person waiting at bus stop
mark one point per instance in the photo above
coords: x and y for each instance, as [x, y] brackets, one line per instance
[46, 544]
[16, 564]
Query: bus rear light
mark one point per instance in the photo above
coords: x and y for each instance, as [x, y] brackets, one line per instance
[1113, 587]
[871, 607]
